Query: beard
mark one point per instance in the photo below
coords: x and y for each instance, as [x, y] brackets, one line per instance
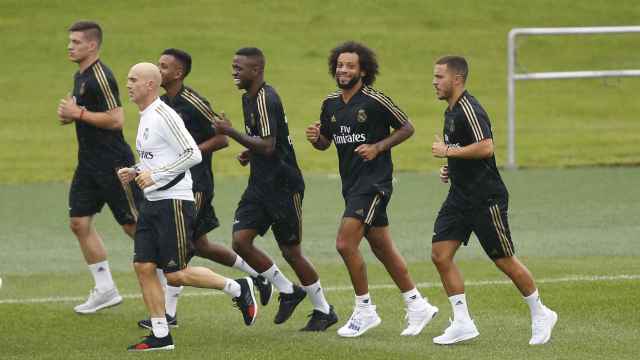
[354, 80]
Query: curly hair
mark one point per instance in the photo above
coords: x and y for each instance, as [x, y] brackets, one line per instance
[366, 57]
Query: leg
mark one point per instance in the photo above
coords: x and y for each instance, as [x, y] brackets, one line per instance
[90, 241]
[152, 292]
[442, 253]
[243, 245]
[518, 273]
[129, 229]
[385, 250]
[347, 242]
[214, 252]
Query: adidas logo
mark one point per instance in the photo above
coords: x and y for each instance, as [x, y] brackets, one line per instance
[413, 297]
[172, 263]
[318, 290]
[360, 212]
[459, 303]
[236, 221]
[101, 269]
[365, 301]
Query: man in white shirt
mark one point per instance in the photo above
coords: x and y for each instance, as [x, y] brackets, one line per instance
[167, 151]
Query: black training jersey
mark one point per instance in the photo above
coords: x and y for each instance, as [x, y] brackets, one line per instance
[264, 116]
[96, 90]
[197, 115]
[472, 180]
[365, 119]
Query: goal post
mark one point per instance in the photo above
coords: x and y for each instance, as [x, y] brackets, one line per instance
[512, 76]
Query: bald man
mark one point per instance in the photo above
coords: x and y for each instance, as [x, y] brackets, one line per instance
[167, 151]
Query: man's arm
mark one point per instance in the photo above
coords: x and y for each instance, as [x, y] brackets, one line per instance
[265, 146]
[315, 137]
[69, 111]
[213, 144]
[478, 150]
[399, 135]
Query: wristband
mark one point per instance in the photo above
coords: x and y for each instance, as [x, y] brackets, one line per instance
[81, 113]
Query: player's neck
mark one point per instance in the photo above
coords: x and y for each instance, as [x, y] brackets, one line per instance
[457, 93]
[347, 94]
[173, 89]
[86, 62]
[144, 103]
[255, 87]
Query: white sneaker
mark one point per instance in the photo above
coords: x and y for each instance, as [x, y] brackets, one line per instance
[417, 320]
[456, 332]
[541, 327]
[99, 300]
[360, 321]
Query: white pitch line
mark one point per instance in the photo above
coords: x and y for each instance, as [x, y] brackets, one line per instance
[567, 279]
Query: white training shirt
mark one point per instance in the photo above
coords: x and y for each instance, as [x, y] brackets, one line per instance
[167, 149]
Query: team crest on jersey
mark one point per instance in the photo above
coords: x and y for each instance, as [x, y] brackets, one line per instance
[82, 88]
[362, 116]
[145, 134]
[333, 118]
[451, 126]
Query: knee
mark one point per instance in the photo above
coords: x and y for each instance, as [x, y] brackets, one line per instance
[440, 258]
[344, 247]
[78, 227]
[238, 245]
[290, 254]
[174, 278]
[144, 268]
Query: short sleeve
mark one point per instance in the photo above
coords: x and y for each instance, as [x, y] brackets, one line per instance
[391, 113]
[108, 97]
[477, 119]
[268, 112]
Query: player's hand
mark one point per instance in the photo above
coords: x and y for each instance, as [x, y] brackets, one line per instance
[243, 157]
[144, 179]
[313, 132]
[439, 148]
[444, 174]
[126, 175]
[222, 124]
[368, 151]
[68, 110]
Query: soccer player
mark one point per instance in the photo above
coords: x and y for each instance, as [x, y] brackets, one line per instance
[477, 202]
[196, 112]
[273, 197]
[357, 119]
[167, 151]
[95, 109]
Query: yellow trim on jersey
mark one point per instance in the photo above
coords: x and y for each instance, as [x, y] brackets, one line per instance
[471, 118]
[104, 86]
[202, 107]
[297, 202]
[387, 103]
[128, 191]
[265, 130]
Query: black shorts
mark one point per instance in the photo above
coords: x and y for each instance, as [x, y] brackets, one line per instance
[206, 219]
[371, 209]
[163, 234]
[488, 221]
[282, 212]
[90, 190]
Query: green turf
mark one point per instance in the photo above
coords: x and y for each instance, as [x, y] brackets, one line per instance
[569, 226]
[572, 122]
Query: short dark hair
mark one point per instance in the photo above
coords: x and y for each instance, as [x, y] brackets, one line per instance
[91, 29]
[457, 64]
[253, 52]
[183, 58]
[366, 57]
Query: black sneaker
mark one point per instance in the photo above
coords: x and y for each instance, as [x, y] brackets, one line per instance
[171, 320]
[288, 303]
[264, 288]
[320, 321]
[246, 302]
[152, 343]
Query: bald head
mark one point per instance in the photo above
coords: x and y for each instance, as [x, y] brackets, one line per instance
[143, 83]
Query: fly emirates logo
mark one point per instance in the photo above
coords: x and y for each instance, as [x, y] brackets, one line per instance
[346, 137]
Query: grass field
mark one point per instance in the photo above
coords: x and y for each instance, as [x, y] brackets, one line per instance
[559, 123]
[576, 230]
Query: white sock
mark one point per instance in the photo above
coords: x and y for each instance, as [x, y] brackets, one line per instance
[242, 265]
[162, 278]
[316, 294]
[232, 288]
[277, 278]
[459, 305]
[171, 295]
[414, 300]
[363, 301]
[535, 304]
[102, 276]
[160, 327]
